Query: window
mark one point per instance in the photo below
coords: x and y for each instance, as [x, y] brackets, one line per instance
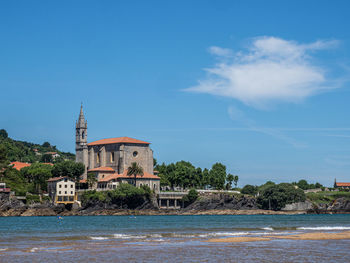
[65, 186]
[135, 153]
[59, 186]
[154, 186]
[83, 135]
[98, 158]
[65, 192]
[59, 192]
[71, 192]
[112, 157]
[71, 186]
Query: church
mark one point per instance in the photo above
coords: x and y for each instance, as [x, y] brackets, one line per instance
[109, 159]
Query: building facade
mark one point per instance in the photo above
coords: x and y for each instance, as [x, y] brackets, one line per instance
[61, 190]
[111, 158]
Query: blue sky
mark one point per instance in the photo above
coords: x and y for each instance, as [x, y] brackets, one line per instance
[261, 86]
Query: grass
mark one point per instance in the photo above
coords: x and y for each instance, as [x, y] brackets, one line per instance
[327, 197]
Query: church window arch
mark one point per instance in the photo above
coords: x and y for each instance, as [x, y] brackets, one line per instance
[83, 135]
[98, 158]
[112, 157]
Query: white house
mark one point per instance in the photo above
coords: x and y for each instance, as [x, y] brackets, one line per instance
[61, 190]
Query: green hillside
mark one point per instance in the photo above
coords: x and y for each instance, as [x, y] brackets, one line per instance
[30, 152]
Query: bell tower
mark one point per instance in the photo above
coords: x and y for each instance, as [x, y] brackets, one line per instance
[81, 148]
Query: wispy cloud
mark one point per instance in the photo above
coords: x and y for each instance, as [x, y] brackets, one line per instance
[270, 70]
[237, 115]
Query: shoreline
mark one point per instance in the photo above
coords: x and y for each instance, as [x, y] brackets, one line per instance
[150, 212]
[303, 236]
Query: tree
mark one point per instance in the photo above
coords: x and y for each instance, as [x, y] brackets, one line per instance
[70, 169]
[46, 145]
[318, 185]
[3, 159]
[46, 158]
[229, 180]
[3, 134]
[302, 184]
[277, 196]
[249, 190]
[205, 178]
[235, 180]
[135, 170]
[91, 179]
[38, 174]
[217, 176]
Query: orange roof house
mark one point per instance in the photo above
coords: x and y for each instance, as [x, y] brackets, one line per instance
[342, 184]
[19, 165]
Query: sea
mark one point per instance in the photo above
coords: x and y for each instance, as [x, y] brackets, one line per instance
[172, 238]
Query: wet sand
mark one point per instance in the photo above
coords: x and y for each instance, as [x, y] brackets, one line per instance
[304, 236]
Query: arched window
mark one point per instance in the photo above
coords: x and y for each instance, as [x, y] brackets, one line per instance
[83, 135]
[98, 158]
[112, 157]
[154, 186]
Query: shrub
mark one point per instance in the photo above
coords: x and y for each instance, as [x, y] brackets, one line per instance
[32, 199]
[124, 196]
[249, 190]
[277, 196]
[190, 197]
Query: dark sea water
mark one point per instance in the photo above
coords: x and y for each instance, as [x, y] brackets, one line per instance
[170, 239]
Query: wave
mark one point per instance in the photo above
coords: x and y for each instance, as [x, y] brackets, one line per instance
[125, 236]
[267, 228]
[325, 228]
[99, 238]
[34, 249]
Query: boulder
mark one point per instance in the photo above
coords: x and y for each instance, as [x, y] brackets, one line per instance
[300, 206]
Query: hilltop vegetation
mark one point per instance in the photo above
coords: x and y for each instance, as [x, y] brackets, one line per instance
[30, 152]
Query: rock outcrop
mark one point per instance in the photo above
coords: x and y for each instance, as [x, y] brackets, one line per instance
[300, 206]
[223, 201]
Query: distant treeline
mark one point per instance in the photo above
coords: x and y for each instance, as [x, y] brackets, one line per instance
[185, 175]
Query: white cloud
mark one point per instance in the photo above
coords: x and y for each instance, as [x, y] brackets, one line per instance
[270, 70]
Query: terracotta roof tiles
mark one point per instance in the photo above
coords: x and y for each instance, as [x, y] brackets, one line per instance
[342, 184]
[117, 140]
[19, 165]
[102, 169]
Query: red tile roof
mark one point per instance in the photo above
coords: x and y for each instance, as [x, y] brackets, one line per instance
[102, 169]
[125, 176]
[117, 140]
[54, 179]
[19, 165]
[83, 181]
[342, 184]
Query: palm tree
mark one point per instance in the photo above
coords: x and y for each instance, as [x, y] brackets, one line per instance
[235, 180]
[135, 170]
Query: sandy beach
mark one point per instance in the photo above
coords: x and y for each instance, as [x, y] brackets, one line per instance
[304, 236]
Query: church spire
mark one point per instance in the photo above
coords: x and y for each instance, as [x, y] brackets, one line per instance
[81, 120]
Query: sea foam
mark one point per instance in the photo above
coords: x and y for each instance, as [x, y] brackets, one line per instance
[98, 238]
[325, 228]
